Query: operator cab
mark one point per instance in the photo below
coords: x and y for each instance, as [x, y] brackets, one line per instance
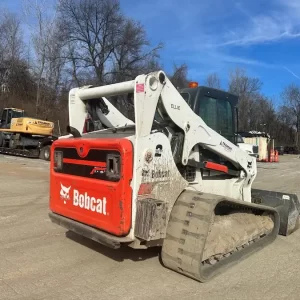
[8, 114]
[217, 108]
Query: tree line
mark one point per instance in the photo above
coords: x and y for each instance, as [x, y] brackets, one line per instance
[92, 42]
[257, 112]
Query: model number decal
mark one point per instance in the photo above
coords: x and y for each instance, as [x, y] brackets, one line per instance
[175, 106]
[225, 146]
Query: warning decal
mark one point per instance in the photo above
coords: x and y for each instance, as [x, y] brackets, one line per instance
[139, 87]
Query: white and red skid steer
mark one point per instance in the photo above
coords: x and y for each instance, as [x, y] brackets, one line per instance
[165, 179]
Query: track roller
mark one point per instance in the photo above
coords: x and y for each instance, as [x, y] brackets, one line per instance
[208, 233]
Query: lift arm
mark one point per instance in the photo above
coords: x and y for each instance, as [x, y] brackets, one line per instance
[80, 105]
[154, 93]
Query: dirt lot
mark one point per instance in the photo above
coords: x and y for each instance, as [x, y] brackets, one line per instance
[38, 260]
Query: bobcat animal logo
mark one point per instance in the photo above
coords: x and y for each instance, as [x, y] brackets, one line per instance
[65, 193]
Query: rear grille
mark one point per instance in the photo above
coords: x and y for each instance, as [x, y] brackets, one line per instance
[97, 164]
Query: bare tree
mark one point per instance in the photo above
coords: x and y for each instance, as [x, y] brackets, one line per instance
[91, 28]
[11, 46]
[248, 90]
[257, 112]
[40, 38]
[262, 115]
[285, 129]
[48, 42]
[11, 51]
[291, 97]
[286, 116]
[213, 81]
[102, 42]
[129, 57]
[241, 84]
[179, 76]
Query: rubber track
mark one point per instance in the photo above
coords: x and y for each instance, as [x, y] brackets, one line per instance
[34, 153]
[187, 231]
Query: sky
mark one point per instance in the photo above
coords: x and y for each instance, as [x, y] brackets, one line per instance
[261, 36]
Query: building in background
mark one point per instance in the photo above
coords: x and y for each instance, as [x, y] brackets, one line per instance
[262, 140]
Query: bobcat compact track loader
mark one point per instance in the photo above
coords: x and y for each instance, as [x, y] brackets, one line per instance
[166, 179]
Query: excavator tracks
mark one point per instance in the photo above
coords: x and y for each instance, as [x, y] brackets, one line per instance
[29, 153]
[207, 234]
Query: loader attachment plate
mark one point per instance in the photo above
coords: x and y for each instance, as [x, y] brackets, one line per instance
[286, 204]
[207, 233]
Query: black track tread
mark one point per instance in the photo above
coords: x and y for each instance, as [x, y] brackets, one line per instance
[34, 153]
[187, 231]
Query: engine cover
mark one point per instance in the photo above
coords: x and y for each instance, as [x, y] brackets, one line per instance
[90, 182]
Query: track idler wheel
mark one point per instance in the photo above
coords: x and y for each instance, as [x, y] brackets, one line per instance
[208, 233]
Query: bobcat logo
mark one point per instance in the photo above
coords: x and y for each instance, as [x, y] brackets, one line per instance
[65, 193]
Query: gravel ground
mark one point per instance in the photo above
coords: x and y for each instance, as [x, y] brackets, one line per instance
[38, 260]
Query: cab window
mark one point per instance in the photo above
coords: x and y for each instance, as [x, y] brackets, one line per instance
[217, 114]
[186, 97]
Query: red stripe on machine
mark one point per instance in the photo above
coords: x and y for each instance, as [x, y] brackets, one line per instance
[216, 167]
[85, 162]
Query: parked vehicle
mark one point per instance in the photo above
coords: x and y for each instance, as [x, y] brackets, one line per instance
[291, 150]
[249, 148]
[280, 150]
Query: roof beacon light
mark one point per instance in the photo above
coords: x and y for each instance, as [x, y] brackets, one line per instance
[193, 84]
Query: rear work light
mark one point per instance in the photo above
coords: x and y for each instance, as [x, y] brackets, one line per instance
[113, 166]
[58, 160]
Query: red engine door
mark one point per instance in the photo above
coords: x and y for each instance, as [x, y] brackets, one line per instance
[90, 182]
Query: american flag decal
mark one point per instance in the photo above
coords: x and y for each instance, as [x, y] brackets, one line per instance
[139, 87]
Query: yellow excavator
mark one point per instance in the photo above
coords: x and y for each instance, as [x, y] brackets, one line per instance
[25, 136]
